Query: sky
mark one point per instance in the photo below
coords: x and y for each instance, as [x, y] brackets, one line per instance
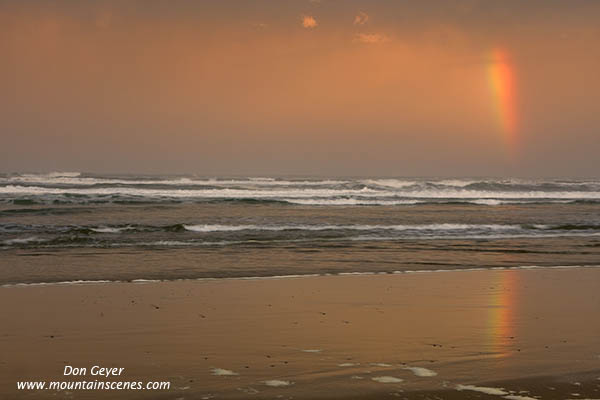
[302, 87]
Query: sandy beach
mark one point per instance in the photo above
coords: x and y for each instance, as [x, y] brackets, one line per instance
[509, 333]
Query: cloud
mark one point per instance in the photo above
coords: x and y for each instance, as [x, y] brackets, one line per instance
[361, 18]
[371, 38]
[309, 21]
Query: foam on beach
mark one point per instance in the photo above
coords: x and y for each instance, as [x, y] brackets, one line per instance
[223, 372]
[483, 389]
[420, 371]
[61, 283]
[348, 364]
[387, 379]
[277, 383]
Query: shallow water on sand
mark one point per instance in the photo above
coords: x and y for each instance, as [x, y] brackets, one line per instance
[345, 336]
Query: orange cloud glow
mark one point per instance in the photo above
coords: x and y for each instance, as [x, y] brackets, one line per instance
[309, 22]
[361, 18]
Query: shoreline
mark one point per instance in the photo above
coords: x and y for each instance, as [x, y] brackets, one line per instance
[291, 276]
[378, 335]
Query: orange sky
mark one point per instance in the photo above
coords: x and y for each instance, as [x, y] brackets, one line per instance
[298, 87]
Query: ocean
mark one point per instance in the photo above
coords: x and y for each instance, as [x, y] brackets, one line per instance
[79, 227]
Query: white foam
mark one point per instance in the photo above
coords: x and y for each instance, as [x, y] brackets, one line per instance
[310, 195]
[277, 383]
[420, 371]
[488, 202]
[74, 178]
[61, 283]
[167, 243]
[391, 183]
[292, 193]
[261, 178]
[422, 227]
[355, 273]
[348, 364]
[380, 365]
[350, 202]
[31, 239]
[276, 277]
[518, 397]
[311, 350]
[223, 372]
[107, 229]
[141, 281]
[218, 228]
[387, 379]
[483, 389]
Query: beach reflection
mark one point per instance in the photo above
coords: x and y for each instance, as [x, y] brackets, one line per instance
[503, 304]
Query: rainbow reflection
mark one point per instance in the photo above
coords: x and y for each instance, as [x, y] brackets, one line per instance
[502, 84]
[501, 323]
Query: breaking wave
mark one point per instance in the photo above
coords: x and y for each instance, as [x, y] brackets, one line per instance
[220, 234]
[76, 188]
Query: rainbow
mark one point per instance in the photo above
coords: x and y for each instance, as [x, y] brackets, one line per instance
[501, 77]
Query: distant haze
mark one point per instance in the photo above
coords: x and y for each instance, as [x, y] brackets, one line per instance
[301, 87]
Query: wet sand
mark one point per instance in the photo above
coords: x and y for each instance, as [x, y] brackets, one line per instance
[527, 333]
